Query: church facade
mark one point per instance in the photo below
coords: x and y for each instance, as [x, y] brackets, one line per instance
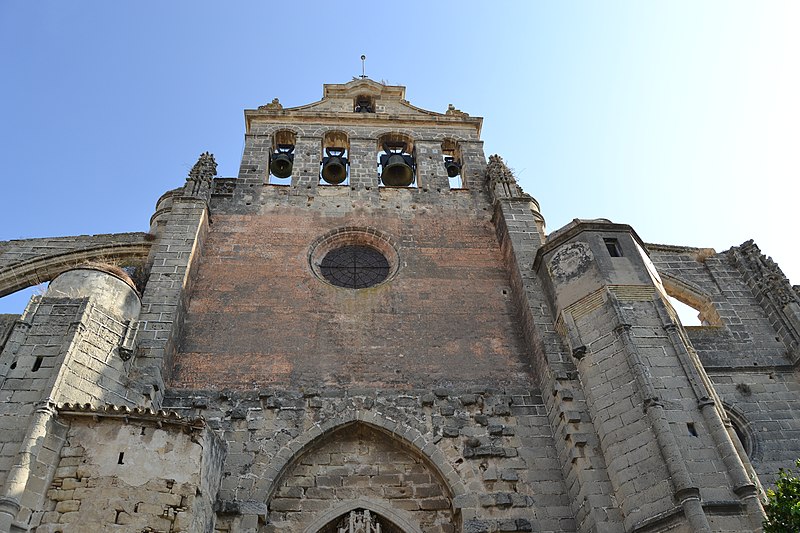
[368, 329]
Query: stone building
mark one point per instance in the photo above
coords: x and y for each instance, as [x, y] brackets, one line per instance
[368, 329]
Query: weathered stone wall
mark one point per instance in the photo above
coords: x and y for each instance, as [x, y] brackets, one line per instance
[6, 325]
[660, 426]
[137, 475]
[63, 349]
[739, 332]
[469, 393]
[30, 362]
[181, 229]
[295, 456]
[750, 365]
[765, 407]
[28, 262]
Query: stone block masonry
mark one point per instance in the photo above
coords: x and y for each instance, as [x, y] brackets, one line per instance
[355, 357]
[440, 456]
[139, 472]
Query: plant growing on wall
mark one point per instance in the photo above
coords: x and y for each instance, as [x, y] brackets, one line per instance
[783, 505]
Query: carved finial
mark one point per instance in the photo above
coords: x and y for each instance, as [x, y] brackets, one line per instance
[502, 183]
[205, 168]
[767, 275]
[451, 110]
[274, 105]
[497, 171]
[198, 183]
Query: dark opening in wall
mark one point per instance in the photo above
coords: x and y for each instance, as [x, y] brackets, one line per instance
[612, 245]
[745, 437]
[397, 165]
[334, 168]
[451, 158]
[281, 160]
[364, 103]
[37, 364]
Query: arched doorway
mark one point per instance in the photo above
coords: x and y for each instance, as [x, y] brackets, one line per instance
[361, 478]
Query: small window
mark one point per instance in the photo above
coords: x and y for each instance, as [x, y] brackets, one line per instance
[745, 436]
[612, 245]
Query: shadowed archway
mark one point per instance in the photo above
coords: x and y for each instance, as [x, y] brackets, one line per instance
[361, 466]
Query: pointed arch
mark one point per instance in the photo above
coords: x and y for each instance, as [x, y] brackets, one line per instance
[743, 430]
[44, 266]
[361, 456]
[407, 436]
[692, 295]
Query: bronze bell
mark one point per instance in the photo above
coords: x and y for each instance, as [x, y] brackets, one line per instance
[398, 168]
[334, 166]
[282, 159]
[452, 166]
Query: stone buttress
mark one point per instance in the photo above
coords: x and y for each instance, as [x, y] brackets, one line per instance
[669, 456]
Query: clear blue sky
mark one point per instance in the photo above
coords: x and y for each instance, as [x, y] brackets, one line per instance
[680, 118]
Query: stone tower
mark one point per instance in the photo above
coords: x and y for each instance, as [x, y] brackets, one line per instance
[368, 329]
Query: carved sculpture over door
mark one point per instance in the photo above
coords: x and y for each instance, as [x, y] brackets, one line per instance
[359, 521]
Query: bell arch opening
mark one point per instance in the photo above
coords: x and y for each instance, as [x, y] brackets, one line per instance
[358, 467]
[397, 166]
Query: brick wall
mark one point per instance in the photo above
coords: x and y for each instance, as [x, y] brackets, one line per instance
[259, 316]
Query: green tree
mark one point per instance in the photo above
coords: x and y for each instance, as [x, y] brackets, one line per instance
[783, 505]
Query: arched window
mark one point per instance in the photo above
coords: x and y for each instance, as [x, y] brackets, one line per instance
[453, 162]
[741, 429]
[281, 160]
[693, 307]
[334, 167]
[397, 166]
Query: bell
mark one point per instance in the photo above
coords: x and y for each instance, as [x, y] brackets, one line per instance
[334, 166]
[282, 159]
[397, 171]
[452, 166]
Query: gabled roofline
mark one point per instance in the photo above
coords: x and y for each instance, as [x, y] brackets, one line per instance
[275, 112]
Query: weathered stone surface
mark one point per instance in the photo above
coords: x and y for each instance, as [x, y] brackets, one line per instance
[499, 379]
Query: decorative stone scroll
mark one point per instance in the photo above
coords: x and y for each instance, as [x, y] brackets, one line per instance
[198, 183]
[359, 521]
[773, 291]
[502, 183]
[223, 186]
[452, 111]
[274, 105]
